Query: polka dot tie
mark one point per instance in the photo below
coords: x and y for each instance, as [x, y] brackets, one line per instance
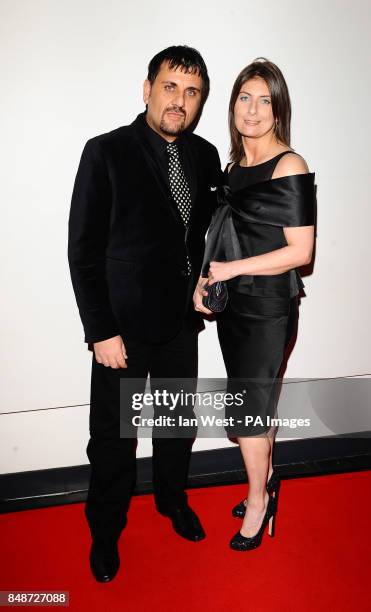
[179, 188]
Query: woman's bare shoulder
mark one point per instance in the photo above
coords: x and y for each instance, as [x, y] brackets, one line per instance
[291, 163]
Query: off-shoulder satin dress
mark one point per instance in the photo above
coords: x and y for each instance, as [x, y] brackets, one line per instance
[261, 314]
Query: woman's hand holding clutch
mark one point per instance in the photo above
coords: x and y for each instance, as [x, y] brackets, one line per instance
[199, 293]
[223, 270]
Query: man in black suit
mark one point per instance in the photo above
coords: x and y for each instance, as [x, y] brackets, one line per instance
[141, 205]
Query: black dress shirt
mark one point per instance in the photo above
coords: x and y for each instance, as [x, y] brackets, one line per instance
[158, 146]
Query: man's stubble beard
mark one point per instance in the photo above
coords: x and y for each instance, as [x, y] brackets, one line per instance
[171, 130]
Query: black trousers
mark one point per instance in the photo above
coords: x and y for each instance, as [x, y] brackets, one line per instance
[112, 458]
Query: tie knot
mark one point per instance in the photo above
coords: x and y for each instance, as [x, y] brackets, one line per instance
[172, 149]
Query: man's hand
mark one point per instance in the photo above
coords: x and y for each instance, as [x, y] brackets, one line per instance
[111, 352]
[198, 295]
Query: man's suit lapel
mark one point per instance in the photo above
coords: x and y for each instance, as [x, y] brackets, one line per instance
[155, 172]
[195, 169]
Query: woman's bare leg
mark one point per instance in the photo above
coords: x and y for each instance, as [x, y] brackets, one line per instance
[257, 456]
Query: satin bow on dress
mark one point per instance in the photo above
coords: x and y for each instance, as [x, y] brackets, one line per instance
[287, 201]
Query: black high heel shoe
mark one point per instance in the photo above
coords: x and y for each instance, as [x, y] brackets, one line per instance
[273, 487]
[239, 542]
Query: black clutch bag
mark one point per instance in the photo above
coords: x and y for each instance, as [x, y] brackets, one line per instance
[217, 296]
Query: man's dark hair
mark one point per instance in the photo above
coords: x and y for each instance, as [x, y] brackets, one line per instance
[186, 58]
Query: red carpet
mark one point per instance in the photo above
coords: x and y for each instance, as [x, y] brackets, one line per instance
[318, 560]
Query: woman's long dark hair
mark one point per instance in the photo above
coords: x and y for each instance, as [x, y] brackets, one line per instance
[280, 98]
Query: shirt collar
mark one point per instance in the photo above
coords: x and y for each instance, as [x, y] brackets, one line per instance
[157, 142]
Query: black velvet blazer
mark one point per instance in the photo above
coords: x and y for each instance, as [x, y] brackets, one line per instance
[127, 243]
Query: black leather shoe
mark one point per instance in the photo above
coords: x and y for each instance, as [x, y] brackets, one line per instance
[104, 565]
[241, 543]
[185, 522]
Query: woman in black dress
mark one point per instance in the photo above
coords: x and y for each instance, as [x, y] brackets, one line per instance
[261, 232]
